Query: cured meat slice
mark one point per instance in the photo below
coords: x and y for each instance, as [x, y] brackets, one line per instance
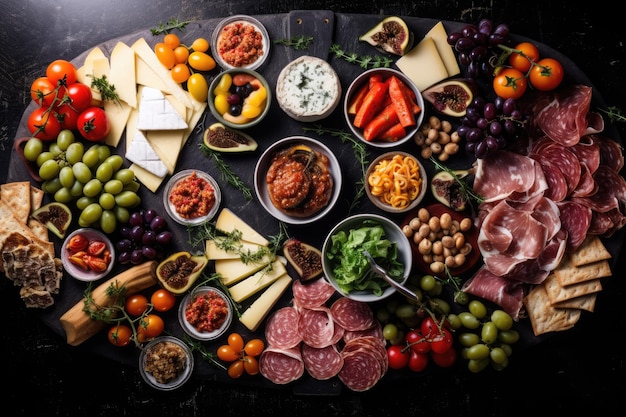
[502, 173]
[374, 343]
[588, 152]
[316, 327]
[564, 119]
[313, 293]
[281, 366]
[322, 363]
[576, 220]
[281, 328]
[611, 152]
[610, 193]
[352, 315]
[587, 185]
[376, 330]
[557, 185]
[361, 369]
[567, 162]
[507, 293]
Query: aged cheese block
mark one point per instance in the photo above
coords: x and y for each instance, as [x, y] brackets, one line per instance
[214, 252]
[228, 221]
[122, 74]
[259, 309]
[423, 65]
[440, 37]
[257, 282]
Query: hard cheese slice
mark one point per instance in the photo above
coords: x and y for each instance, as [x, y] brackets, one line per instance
[259, 309]
[214, 252]
[256, 282]
[228, 221]
[141, 153]
[423, 65]
[440, 37]
[157, 113]
[234, 270]
[122, 74]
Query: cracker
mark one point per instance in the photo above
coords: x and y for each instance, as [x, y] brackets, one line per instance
[39, 229]
[592, 250]
[556, 292]
[546, 318]
[36, 198]
[584, 302]
[568, 274]
[17, 196]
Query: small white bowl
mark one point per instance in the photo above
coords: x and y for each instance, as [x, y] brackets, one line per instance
[392, 233]
[264, 163]
[180, 379]
[189, 328]
[171, 210]
[77, 272]
[244, 21]
[362, 80]
[378, 202]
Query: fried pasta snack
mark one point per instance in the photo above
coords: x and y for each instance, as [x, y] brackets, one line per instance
[396, 181]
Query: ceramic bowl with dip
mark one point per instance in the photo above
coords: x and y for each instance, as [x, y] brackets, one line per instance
[166, 363]
[240, 41]
[205, 313]
[192, 197]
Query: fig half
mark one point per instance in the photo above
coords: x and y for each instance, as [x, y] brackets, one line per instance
[56, 216]
[451, 97]
[180, 271]
[391, 35]
[224, 139]
[305, 259]
[448, 191]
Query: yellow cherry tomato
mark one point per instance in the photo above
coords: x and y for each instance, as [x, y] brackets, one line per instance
[198, 87]
[172, 40]
[201, 61]
[165, 55]
[236, 369]
[235, 341]
[254, 347]
[180, 73]
[182, 54]
[200, 45]
[227, 353]
[223, 86]
[221, 103]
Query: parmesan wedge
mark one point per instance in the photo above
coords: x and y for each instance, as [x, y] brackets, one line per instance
[260, 308]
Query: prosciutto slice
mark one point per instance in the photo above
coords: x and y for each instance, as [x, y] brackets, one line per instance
[502, 173]
[506, 293]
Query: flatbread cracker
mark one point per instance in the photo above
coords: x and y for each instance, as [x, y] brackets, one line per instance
[36, 198]
[556, 292]
[584, 302]
[592, 250]
[568, 274]
[17, 196]
[546, 318]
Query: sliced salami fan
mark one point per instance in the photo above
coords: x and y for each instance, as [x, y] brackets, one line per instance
[281, 366]
[375, 330]
[316, 327]
[352, 315]
[363, 365]
[313, 293]
[322, 363]
[370, 343]
[281, 329]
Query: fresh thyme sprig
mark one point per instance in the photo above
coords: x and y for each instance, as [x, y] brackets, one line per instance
[366, 62]
[297, 43]
[465, 188]
[202, 350]
[107, 90]
[227, 174]
[169, 26]
[614, 114]
[360, 153]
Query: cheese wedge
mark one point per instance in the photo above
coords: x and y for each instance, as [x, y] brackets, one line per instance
[234, 270]
[122, 74]
[214, 252]
[256, 282]
[228, 221]
[260, 308]
[147, 178]
[423, 65]
[440, 37]
[157, 113]
[141, 153]
[85, 73]
[118, 114]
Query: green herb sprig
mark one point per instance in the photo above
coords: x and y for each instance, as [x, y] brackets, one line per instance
[228, 174]
[106, 89]
[465, 188]
[614, 114]
[202, 350]
[169, 26]
[297, 43]
[360, 154]
[366, 62]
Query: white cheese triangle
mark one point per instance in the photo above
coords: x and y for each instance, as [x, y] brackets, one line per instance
[157, 113]
[141, 153]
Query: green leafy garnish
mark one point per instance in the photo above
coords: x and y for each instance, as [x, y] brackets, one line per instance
[171, 24]
[465, 188]
[614, 114]
[227, 173]
[366, 62]
[202, 350]
[297, 43]
[107, 90]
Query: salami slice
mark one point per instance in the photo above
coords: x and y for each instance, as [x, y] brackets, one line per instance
[281, 328]
[313, 293]
[611, 153]
[375, 344]
[322, 363]
[565, 118]
[576, 220]
[352, 315]
[316, 327]
[361, 370]
[281, 366]
[376, 330]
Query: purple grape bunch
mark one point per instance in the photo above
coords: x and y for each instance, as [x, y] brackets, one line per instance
[143, 238]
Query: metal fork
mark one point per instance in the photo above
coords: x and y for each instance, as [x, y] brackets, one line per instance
[383, 273]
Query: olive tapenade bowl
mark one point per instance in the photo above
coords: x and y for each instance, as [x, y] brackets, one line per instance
[169, 346]
[170, 207]
[298, 144]
[218, 327]
[244, 21]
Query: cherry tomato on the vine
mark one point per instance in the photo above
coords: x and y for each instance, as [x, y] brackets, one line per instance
[165, 55]
[150, 327]
[67, 116]
[444, 360]
[236, 342]
[180, 73]
[417, 341]
[522, 61]
[120, 335]
[43, 124]
[200, 45]
[510, 83]
[79, 96]
[171, 40]
[236, 369]
[136, 304]
[227, 353]
[92, 124]
[398, 356]
[162, 300]
[254, 347]
[547, 74]
[441, 342]
[61, 72]
[251, 365]
[42, 91]
[418, 361]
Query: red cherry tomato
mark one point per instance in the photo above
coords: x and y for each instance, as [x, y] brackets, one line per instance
[510, 83]
[162, 300]
[547, 74]
[428, 327]
[418, 361]
[120, 335]
[418, 343]
[441, 342]
[67, 116]
[398, 356]
[42, 91]
[79, 96]
[92, 124]
[444, 360]
[43, 124]
[61, 72]
[522, 61]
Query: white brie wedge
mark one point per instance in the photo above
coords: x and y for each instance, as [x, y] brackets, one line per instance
[157, 113]
[141, 153]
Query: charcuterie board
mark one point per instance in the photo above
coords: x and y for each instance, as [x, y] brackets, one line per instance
[325, 28]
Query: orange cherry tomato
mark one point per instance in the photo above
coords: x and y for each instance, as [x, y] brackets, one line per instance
[136, 304]
[150, 327]
[251, 365]
[120, 335]
[61, 72]
[254, 347]
[43, 91]
[236, 369]
[201, 61]
[182, 54]
[547, 74]
[227, 353]
[510, 83]
[235, 341]
[180, 73]
[165, 54]
[162, 300]
[171, 40]
[524, 60]
[200, 45]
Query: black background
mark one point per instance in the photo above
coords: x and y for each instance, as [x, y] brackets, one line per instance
[581, 370]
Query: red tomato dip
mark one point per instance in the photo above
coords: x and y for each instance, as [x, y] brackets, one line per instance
[192, 197]
[240, 44]
[207, 312]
